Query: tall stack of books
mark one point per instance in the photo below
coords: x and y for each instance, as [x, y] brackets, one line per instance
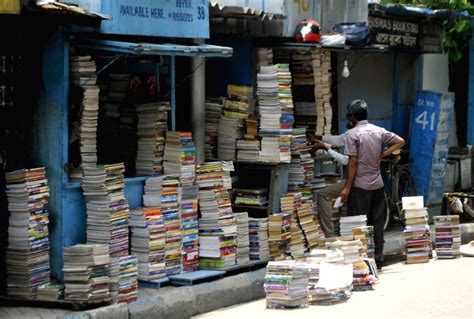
[301, 170]
[279, 235]
[322, 91]
[243, 242]
[276, 112]
[286, 283]
[247, 150]
[213, 114]
[86, 271]
[258, 237]
[171, 215]
[366, 235]
[180, 156]
[306, 221]
[217, 226]
[128, 279]
[189, 227]
[317, 223]
[83, 74]
[348, 223]
[416, 233]
[237, 107]
[27, 257]
[107, 207]
[151, 130]
[447, 236]
[114, 274]
[289, 205]
[148, 242]
[51, 292]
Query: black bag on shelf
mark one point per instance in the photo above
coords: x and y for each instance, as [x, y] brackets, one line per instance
[358, 34]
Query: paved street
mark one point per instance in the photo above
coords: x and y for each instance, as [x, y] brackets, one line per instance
[439, 289]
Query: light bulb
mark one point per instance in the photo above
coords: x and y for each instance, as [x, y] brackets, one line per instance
[345, 71]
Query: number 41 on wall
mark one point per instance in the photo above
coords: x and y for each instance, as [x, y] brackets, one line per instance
[425, 120]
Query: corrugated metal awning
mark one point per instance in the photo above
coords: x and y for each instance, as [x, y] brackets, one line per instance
[221, 11]
[152, 49]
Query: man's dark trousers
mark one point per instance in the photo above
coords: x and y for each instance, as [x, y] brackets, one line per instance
[372, 204]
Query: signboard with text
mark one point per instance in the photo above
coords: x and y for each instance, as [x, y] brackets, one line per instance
[163, 18]
[395, 32]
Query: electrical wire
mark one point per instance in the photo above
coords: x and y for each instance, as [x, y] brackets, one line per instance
[186, 78]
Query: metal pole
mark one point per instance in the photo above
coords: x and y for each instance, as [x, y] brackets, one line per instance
[198, 100]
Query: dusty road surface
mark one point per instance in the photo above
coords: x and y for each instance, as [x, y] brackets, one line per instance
[439, 289]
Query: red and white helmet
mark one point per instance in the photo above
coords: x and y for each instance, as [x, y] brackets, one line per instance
[308, 30]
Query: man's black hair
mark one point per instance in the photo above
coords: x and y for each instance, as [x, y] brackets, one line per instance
[359, 109]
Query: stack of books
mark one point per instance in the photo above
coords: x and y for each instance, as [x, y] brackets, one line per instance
[189, 227]
[289, 204]
[314, 259]
[151, 131]
[51, 292]
[366, 235]
[264, 57]
[317, 223]
[27, 256]
[251, 197]
[107, 207]
[322, 91]
[279, 235]
[213, 111]
[416, 233]
[86, 271]
[114, 274]
[301, 170]
[239, 103]
[171, 215]
[258, 237]
[447, 236]
[230, 130]
[276, 112]
[83, 74]
[152, 191]
[347, 224]
[243, 242]
[128, 279]
[217, 225]
[334, 281]
[286, 284]
[247, 150]
[148, 242]
[180, 156]
[311, 231]
[302, 68]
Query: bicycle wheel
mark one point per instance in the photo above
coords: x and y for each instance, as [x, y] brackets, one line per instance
[406, 187]
[388, 211]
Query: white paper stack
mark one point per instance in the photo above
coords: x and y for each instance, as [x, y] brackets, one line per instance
[27, 256]
[152, 191]
[247, 150]
[347, 224]
[243, 243]
[151, 131]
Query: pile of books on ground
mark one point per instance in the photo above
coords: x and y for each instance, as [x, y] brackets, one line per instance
[314, 259]
[114, 274]
[348, 223]
[172, 219]
[416, 233]
[107, 207]
[51, 292]
[334, 280]
[322, 91]
[128, 279]
[217, 225]
[289, 204]
[251, 197]
[276, 112]
[237, 107]
[148, 242]
[243, 243]
[447, 236]
[311, 230]
[189, 226]
[286, 284]
[151, 131]
[258, 237]
[213, 111]
[279, 235]
[366, 235]
[27, 256]
[86, 273]
[83, 74]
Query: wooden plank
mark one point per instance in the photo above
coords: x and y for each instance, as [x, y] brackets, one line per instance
[153, 284]
[195, 277]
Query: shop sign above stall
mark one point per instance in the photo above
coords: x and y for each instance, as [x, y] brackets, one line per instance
[395, 32]
[164, 18]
